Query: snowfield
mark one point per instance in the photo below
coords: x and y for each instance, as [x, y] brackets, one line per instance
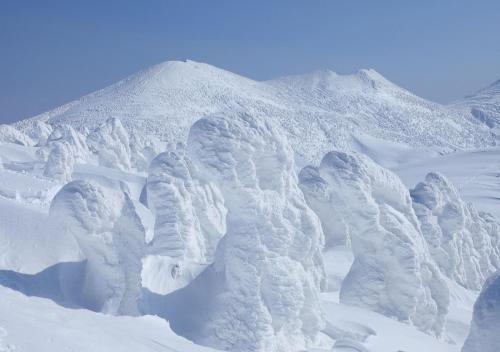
[187, 208]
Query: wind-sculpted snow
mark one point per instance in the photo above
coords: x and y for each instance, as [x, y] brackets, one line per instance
[9, 134]
[363, 204]
[484, 333]
[262, 291]
[317, 111]
[110, 142]
[111, 236]
[190, 213]
[60, 162]
[464, 243]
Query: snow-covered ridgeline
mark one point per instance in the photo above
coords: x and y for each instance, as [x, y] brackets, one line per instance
[317, 111]
[364, 205]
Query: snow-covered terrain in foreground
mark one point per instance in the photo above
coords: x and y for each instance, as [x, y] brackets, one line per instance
[245, 228]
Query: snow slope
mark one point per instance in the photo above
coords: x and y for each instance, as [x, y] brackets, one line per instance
[318, 111]
[485, 328]
[34, 324]
[484, 105]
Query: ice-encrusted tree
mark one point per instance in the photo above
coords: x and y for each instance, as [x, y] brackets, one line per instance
[9, 134]
[262, 291]
[111, 236]
[463, 241]
[362, 204]
[190, 216]
[110, 141]
[60, 162]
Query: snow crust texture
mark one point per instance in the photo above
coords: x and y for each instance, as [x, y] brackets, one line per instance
[111, 237]
[484, 334]
[262, 291]
[464, 242]
[363, 204]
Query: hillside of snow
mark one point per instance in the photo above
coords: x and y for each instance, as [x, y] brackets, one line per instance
[484, 105]
[318, 111]
[186, 208]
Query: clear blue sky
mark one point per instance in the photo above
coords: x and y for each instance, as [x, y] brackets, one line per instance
[54, 51]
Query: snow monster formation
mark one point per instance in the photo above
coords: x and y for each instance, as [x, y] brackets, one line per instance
[9, 134]
[361, 203]
[75, 140]
[39, 132]
[190, 216]
[110, 142]
[262, 291]
[484, 335]
[111, 237]
[464, 243]
[60, 162]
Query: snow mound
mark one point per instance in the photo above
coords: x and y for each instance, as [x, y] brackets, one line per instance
[484, 334]
[464, 243]
[361, 203]
[190, 217]
[111, 237]
[262, 291]
[318, 111]
[9, 134]
[110, 142]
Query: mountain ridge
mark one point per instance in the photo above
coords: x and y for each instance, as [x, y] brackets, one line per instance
[318, 111]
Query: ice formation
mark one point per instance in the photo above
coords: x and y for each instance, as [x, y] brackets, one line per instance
[9, 134]
[75, 140]
[110, 142]
[363, 204]
[262, 291]
[111, 237]
[39, 132]
[190, 217]
[464, 242]
[143, 150]
[60, 162]
[484, 333]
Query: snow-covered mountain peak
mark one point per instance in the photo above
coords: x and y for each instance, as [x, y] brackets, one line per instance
[317, 111]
